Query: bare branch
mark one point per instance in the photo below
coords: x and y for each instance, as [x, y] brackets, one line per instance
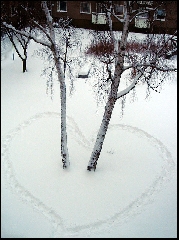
[27, 34]
[109, 11]
[129, 88]
[42, 29]
[154, 66]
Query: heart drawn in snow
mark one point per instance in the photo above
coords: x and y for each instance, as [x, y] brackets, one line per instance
[132, 168]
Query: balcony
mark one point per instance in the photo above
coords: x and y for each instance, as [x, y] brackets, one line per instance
[142, 21]
[99, 18]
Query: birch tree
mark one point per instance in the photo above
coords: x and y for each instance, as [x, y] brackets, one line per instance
[146, 66]
[48, 40]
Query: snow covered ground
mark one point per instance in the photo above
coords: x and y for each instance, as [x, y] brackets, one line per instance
[132, 194]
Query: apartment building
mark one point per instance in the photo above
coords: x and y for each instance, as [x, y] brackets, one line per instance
[159, 17]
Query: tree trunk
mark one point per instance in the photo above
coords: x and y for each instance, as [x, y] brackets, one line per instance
[119, 64]
[102, 132]
[61, 78]
[64, 149]
[24, 61]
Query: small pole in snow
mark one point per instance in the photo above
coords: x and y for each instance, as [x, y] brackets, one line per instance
[12, 56]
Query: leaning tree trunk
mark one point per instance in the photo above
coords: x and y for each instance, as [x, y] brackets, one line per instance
[119, 65]
[103, 129]
[109, 105]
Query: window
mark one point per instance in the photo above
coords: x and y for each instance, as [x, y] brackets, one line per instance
[100, 8]
[118, 9]
[99, 17]
[85, 7]
[62, 6]
[49, 5]
[160, 14]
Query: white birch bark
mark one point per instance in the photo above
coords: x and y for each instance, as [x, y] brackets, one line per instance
[102, 131]
[64, 148]
[119, 69]
[61, 78]
[50, 42]
[119, 64]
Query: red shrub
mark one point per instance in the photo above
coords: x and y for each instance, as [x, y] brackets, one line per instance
[101, 48]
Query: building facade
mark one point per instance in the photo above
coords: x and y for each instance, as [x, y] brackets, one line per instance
[159, 17]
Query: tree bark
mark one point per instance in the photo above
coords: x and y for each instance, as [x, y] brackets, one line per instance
[103, 129]
[51, 43]
[64, 148]
[24, 61]
[119, 65]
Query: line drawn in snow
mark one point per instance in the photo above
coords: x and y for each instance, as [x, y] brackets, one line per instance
[111, 151]
[135, 207]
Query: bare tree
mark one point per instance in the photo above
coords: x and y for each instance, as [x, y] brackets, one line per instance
[145, 60]
[49, 40]
[24, 42]
[20, 43]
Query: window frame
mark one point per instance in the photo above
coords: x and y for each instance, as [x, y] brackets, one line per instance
[120, 5]
[100, 8]
[81, 10]
[160, 19]
[58, 6]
